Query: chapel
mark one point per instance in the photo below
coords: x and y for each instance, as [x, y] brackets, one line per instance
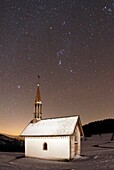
[53, 138]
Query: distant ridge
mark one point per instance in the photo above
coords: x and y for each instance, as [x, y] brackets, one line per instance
[99, 127]
[10, 143]
[12, 136]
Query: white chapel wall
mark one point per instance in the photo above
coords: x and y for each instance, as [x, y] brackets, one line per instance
[57, 147]
[78, 138]
[73, 152]
[75, 143]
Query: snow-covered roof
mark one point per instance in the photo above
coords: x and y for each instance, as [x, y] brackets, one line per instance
[51, 127]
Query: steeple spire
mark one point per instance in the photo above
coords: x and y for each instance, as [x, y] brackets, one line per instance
[38, 103]
[38, 97]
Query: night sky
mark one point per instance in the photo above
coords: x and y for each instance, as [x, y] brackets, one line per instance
[70, 44]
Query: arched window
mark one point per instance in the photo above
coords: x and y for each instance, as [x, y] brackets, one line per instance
[45, 146]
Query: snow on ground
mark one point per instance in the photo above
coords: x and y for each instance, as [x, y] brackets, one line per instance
[97, 154]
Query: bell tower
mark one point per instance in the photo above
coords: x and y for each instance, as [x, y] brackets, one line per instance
[38, 104]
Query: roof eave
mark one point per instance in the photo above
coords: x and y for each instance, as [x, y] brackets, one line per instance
[46, 135]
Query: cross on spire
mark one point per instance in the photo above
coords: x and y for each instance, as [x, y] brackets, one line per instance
[38, 79]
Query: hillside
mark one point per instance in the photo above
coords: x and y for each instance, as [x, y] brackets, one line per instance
[99, 127]
[9, 143]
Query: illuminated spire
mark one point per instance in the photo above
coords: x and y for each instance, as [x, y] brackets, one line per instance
[38, 103]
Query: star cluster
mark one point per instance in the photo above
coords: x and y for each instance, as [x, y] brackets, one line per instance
[70, 43]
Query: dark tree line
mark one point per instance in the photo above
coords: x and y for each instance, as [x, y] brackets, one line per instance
[99, 127]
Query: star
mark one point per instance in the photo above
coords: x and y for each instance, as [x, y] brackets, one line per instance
[60, 62]
[18, 86]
